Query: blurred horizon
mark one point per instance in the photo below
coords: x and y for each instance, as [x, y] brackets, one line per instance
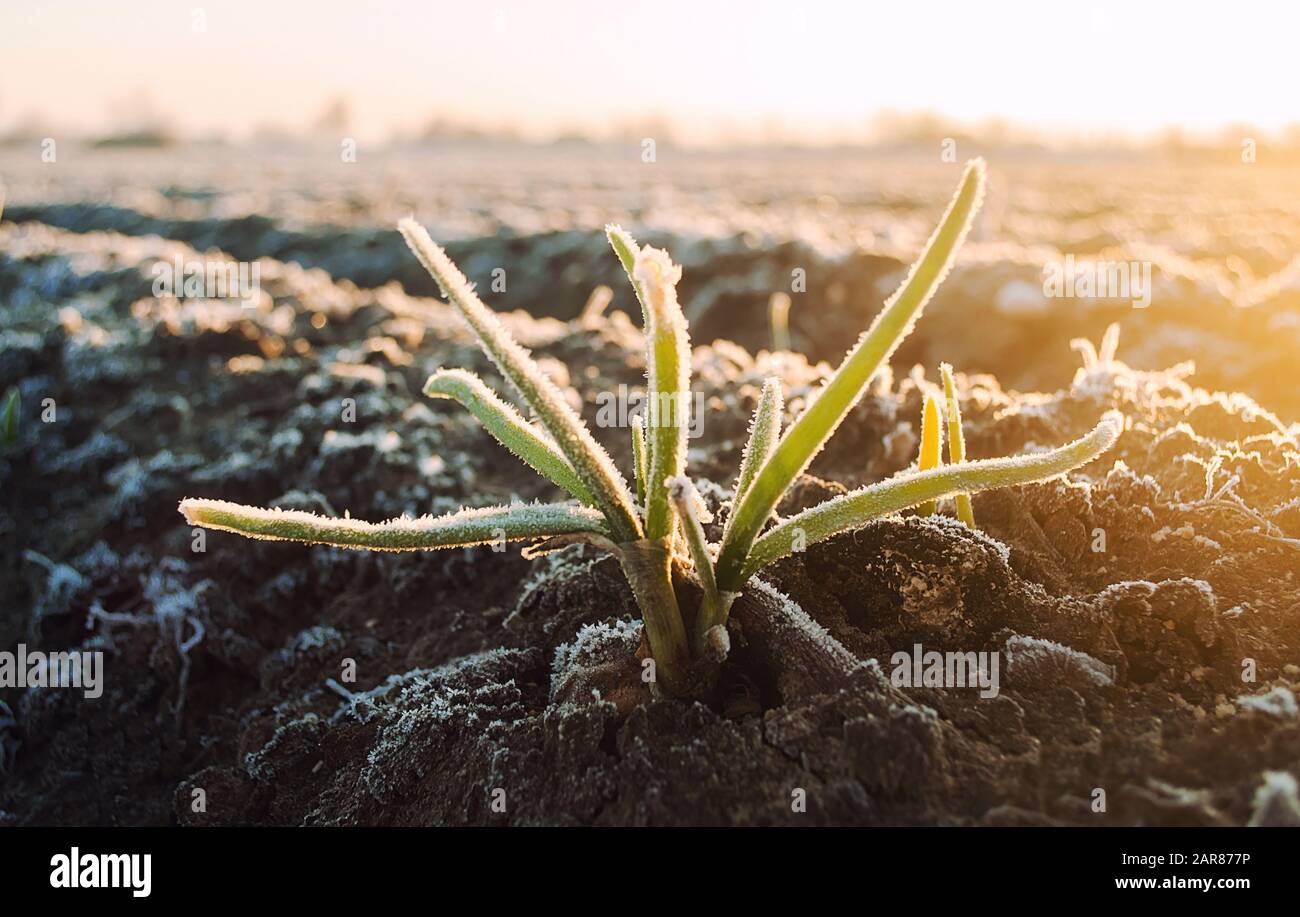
[1084, 76]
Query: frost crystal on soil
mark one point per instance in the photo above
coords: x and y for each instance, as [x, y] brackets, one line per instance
[169, 397]
[1276, 803]
[1043, 663]
[62, 582]
[595, 644]
[1279, 702]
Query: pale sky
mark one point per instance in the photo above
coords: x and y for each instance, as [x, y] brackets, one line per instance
[823, 68]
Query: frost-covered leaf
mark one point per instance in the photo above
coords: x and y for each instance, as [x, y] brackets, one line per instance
[819, 420]
[668, 363]
[508, 428]
[461, 529]
[853, 510]
[590, 461]
[682, 494]
[639, 458]
[956, 441]
[764, 431]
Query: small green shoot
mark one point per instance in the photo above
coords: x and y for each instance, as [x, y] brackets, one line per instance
[660, 528]
[778, 312]
[9, 418]
[956, 442]
[639, 458]
[764, 431]
[684, 499]
[594, 309]
[1096, 357]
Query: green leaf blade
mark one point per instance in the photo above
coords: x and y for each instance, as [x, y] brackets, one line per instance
[626, 249]
[640, 460]
[9, 417]
[821, 417]
[668, 364]
[681, 493]
[589, 460]
[956, 441]
[764, 432]
[454, 530]
[855, 509]
[778, 314]
[508, 428]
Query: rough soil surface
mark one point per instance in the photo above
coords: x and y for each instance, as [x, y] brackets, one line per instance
[1147, 610]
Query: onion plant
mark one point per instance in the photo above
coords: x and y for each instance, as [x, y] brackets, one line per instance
[683, 585]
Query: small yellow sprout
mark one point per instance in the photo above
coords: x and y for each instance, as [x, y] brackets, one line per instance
[931, 446]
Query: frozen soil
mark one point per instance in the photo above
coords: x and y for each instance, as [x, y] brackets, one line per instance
[1220, 239]
[1147, 610]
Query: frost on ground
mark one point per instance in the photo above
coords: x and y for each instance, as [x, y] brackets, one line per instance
[1146, 609]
